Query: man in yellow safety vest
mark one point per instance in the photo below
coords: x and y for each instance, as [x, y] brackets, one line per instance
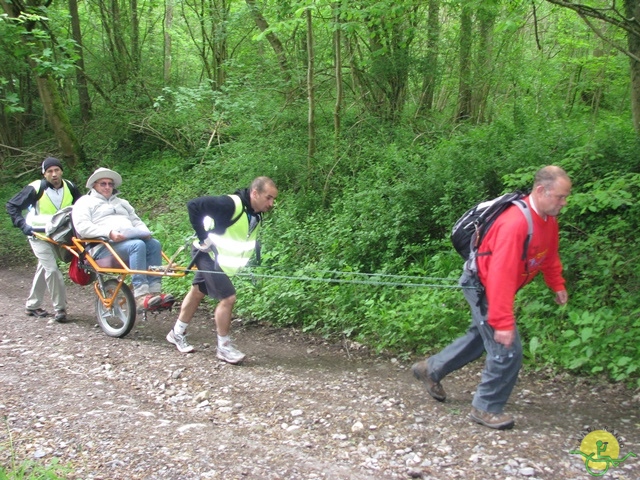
[42, 199]
[227, 228]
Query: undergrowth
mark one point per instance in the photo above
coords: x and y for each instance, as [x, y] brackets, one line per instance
[386, 208]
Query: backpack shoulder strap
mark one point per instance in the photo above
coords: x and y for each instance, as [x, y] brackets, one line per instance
[471, 263]
[238, 203]
[41, 189]
[526, 211]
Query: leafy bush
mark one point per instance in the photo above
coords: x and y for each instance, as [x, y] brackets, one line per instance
[348, 233]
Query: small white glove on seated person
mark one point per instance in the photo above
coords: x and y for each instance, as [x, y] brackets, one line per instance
[205, 246]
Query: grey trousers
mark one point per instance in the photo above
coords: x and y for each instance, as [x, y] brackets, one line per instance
[501, 364]
[47, 276]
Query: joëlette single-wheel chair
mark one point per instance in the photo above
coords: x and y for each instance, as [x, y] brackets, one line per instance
[115, 304]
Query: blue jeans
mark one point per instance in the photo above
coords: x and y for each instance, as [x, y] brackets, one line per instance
[138, 254]
[502, 364]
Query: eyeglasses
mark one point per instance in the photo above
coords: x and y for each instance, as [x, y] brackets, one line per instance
[106, 184]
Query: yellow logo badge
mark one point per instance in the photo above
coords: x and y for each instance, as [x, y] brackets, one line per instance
[600, 450]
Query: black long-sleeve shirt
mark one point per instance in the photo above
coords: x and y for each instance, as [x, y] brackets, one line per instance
[28, 197]
[221, 209]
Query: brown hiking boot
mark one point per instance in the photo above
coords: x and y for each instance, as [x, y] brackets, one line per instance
[499, 421]
[421, 372]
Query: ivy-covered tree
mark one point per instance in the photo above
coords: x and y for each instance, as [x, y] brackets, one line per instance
[49, 61]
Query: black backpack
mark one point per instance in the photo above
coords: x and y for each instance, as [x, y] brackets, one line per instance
[470, 229]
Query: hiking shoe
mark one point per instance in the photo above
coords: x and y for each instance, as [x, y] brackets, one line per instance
[148, 302]
[499, 421]
[421, 372]
[179, 341]
[61, 316]
[36, 312]
[230, 354]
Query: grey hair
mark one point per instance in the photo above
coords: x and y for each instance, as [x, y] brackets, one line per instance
[547, 176]
[260, 183]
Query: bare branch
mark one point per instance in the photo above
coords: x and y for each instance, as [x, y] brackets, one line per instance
[605, 39]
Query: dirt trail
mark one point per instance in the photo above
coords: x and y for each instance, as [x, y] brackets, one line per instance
[298, 408]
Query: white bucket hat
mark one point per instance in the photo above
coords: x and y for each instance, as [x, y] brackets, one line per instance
[104, 173]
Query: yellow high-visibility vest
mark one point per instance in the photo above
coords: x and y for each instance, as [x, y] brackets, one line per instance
[41, 213]
[236, 245]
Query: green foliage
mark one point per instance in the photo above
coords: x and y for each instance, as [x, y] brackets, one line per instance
[596, 331]
[14, 248]
[30, 470]
[379, 199]
[589, 342]
[336, 244]
[392, 219]
[55, 59]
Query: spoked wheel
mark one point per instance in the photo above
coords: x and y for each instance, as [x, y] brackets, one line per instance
[117, 321]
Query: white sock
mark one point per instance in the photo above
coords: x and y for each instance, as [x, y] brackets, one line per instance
[222, 340]
[180, 327]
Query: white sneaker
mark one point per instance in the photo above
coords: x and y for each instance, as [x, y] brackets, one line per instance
[179, 341]
[230, 354]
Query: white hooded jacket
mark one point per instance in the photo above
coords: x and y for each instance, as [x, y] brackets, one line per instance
[95, 216]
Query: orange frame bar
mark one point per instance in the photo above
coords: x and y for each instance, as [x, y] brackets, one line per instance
[78, 248]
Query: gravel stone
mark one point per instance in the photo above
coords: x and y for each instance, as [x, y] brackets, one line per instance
[299, 407]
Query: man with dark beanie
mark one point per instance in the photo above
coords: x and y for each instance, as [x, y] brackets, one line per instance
[42, 198]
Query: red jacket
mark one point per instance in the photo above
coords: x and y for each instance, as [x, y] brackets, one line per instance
[503, 272]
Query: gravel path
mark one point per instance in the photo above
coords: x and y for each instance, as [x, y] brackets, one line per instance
[298, 408]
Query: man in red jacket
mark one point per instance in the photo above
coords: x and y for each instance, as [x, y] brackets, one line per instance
[491, 293]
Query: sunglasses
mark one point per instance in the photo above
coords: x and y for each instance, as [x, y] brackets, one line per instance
[106, 184]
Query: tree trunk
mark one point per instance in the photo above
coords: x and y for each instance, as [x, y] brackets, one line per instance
[487, 18]
[431, 62]
[337, 59]
[112, 24]
[47, 89]
[58, 119]
[135, 38]
[632, 9]
[464, 89]
[81, 78]
[220, 50]
[311, 122]
[273, 40]
[168, 22]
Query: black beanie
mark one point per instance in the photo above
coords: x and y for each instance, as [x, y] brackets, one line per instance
[50, 162]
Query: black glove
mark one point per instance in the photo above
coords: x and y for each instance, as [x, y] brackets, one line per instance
[27, 229]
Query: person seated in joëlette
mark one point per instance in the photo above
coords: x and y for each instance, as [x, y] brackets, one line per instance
[102, 214]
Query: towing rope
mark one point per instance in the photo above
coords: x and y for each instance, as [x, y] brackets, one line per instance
[369, 278]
